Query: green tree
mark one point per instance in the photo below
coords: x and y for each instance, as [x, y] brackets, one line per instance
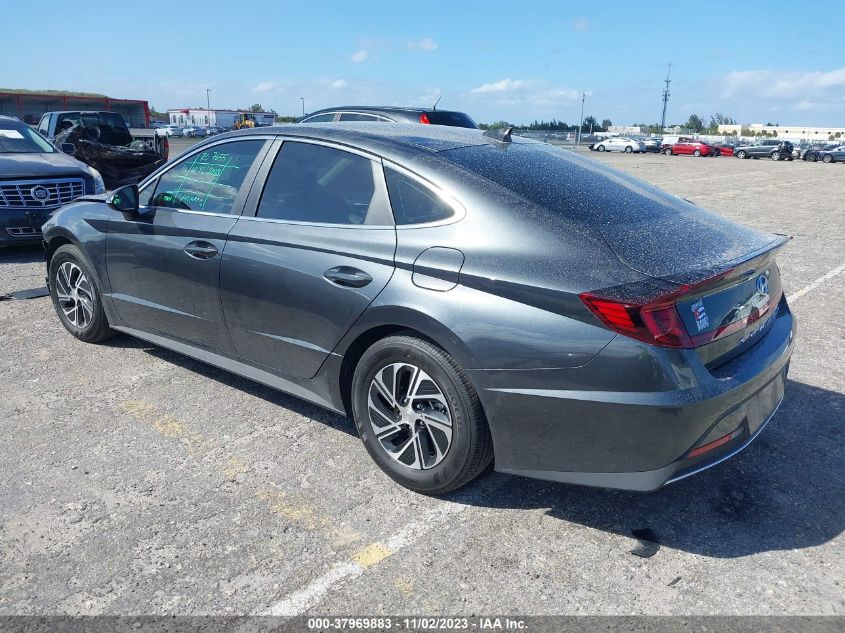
[694, 123]
[256, 107]
[606, 123]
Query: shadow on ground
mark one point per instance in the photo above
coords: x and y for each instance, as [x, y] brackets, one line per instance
[785, 491]
[21, 254]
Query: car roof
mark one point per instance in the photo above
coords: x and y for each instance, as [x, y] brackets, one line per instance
[10, 120]
[386, 109]
[400, 139]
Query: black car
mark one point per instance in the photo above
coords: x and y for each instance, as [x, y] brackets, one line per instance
[835, 155]
[35, 179]
[458, 293]
[390, 114]
[812, 153]
[774, 149]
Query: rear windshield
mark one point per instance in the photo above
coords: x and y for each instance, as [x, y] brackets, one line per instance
[22, 139]
[455, 119]
[568, 185]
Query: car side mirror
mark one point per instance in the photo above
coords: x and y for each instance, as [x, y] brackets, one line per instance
[125, 199]
[68, 148]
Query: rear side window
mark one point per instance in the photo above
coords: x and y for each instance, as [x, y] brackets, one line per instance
[209, 180]
[315, 183]
[412, 202]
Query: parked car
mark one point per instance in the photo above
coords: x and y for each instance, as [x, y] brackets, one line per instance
[811, 153]
[192, 131]
[652, 144]
[170, 130]
[102, 140]
[725, 149]
[832, 155]
[690, 147]
[768, 148]
[211, 130]
[620, 144]
[35, 179]
[374, 270]
[157, 124]
[390, 114]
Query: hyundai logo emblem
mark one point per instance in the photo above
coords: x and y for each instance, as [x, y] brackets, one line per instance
[763, 285]
[40, 193]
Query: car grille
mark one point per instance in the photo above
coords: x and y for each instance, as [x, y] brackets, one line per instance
[39, 194]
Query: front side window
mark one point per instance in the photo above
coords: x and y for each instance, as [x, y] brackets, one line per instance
[320, 118]
[315, 183]
[412, 202]
[355, 116]
[209, 180]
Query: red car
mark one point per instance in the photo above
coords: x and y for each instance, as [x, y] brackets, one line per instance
[696, 148]
[725, 149]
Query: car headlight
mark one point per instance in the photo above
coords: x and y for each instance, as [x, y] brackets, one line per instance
[99, 185]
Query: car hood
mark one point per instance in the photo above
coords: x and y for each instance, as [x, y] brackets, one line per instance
[15, 166]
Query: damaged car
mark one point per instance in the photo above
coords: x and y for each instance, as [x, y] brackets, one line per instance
[35, 179]
[103, 141]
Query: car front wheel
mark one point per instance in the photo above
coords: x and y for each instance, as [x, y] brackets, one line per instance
[828, 158]
[76, 298]
[601, 148]
[668, 151]
[740, 154]
[628, 149]
[775, 156]
[697, 153]
[419, 416]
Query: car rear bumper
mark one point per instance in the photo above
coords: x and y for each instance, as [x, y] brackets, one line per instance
[22, 226]
[634, 440]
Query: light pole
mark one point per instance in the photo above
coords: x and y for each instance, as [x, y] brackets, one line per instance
[208, 106]
[581, 125]
[303, 105]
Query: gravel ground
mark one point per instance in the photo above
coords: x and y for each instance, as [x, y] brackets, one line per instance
[136, 481]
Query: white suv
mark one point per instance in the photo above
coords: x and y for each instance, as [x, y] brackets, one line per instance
[620, 144]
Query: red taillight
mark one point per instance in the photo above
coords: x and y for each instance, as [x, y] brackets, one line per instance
[706, 448]
[656, 323]
[424, 118]
[654, 320]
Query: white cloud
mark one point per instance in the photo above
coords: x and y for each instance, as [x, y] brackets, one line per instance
[581, 24]
[505, 85]
[425, 44]
[338, 84]
[777, 84]
[359, 56]
[264, 86]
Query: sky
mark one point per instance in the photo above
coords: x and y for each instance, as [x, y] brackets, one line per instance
[776, 61]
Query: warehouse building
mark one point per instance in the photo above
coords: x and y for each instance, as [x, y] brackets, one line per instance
[792, 132]
[220, 118]
[29, 105]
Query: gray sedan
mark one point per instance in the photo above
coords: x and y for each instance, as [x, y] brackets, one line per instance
[470, 299]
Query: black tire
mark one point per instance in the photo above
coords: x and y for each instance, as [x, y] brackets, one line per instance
[828, 158]
[471, 449]
[740, 154]
[775, 156]
[629, 149]
[87, 321]
[601, 148]
[697, 153]
[668, 151]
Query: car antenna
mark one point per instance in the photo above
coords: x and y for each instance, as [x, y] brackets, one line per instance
[500, 134]
[434, 107]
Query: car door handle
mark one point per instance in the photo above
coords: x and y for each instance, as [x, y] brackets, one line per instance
[201, 250]
[347, 276]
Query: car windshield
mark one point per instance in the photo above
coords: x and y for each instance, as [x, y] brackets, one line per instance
[22, 139]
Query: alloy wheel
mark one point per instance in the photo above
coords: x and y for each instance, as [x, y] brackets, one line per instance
[409, 416]
[75, 295]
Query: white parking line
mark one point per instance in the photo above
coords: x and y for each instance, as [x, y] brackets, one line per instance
[818, 282]
[300, 601]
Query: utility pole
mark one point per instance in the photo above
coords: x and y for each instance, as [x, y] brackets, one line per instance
[208, 105]
[665, 98]
[581, 125]
[303, 105]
